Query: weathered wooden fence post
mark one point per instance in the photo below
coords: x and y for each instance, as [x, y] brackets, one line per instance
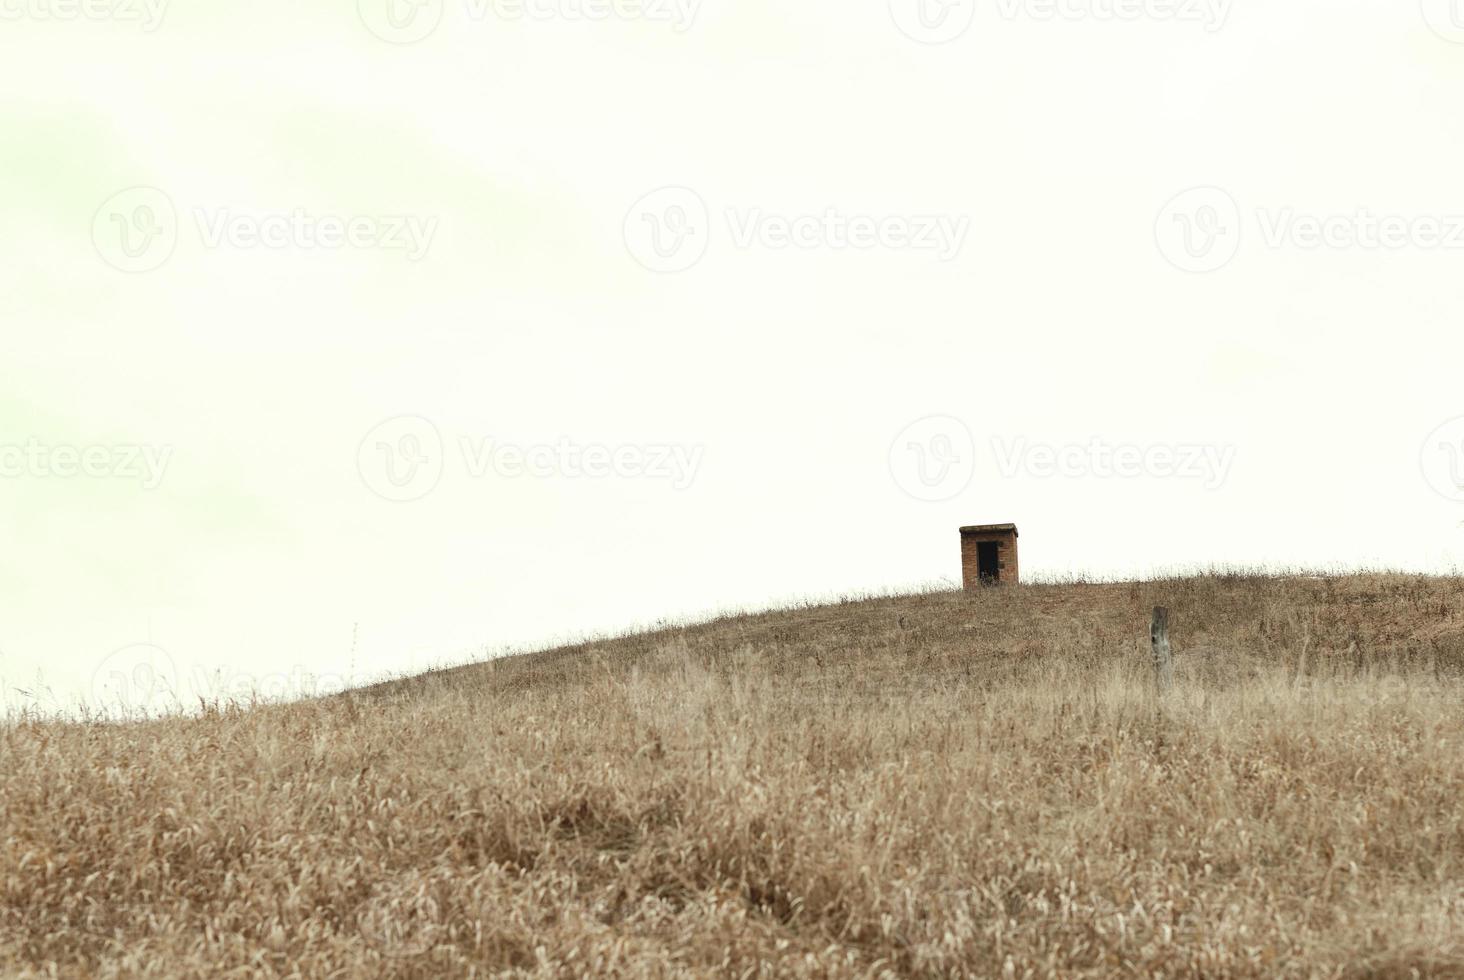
[1163, 661]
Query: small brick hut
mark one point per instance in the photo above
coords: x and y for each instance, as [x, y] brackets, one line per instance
[988, 555]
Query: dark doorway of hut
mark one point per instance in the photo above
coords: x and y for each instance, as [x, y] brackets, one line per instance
[987, 562]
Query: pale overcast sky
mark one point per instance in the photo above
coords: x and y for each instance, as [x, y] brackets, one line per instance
[347, 338]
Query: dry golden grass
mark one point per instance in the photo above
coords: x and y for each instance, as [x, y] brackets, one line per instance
[936, 785]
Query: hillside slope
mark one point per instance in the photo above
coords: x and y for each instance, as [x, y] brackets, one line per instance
[931, 785]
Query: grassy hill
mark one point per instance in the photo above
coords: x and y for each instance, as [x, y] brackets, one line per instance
[930, 785]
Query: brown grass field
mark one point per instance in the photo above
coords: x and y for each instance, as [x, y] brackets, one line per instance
[933, 785]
